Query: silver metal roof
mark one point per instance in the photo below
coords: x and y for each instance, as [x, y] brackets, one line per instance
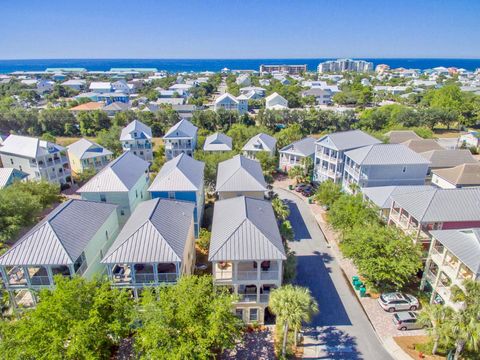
[346, 140]
[156, 232]
[120, 175]
[442, 205]
[182, 173]
[143, 131]
[60, 238]
[303, 147]
[182, 129]
[464, 244]
[448, 158]
[245, 229]
[86, 149]
[386, 154]
[260, 142]
[381, 195]
[218, 142]
[240, 174]
[29, 147]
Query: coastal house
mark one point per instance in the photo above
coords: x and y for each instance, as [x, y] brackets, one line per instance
[243, 80]
[322, 96]
[330, 153]
[85, 154]
[116, 107]
[229, 102]
[240, 176]
[259, 143]
[218, 142]
[400, 136]
[444, 159]
[136, 137]
[9, 175]
[294, 154]
[40, 159]
[100, 87]
[418, 213]
[471, 139]
[422, 145]
[276, 102]
[182, 179]
[181, 138]
[69, 241]
[247, 253]
[155, 247]
[465, 175]
[253, 92]
[123, 182]
[383, 165]
[454, 257]
[75, 84]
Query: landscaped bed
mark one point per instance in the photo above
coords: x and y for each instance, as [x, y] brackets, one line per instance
[410, 344]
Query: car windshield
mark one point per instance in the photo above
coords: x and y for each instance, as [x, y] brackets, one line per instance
[389, 297]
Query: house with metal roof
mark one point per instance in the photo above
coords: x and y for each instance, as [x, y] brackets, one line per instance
[69, 241]
[381, 196]
[400, 136]
[116, 107]
[465, 175]
[136, 137]
[123, 182]
[383, 165]
[9, 175]
[218, 142]
[294, 154]
[330, 153]
[444, 159]
[85, 154]
[100, 87]
[40, 159]
[276, 101]
[418, 213]
[454, 257]
[422, 145]
[258, 143]
[155, 247]
[181, 138]
[247, 253]
[240, 176]
[182, 179]
[229, 102]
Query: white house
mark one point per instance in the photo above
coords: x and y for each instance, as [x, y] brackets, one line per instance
[137, 138]
[243, 80]
[258, 143]
[294, 154]
[465, 175]
[276, 102]
[218, 142]
[40, 159]
[75, 84]
[100, 87]
[471, 139]
[231, 103]
[180, 138]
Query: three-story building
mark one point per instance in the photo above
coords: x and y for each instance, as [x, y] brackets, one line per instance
[180, 139]
[137, 138]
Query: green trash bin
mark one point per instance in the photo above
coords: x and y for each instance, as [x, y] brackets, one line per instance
[355, 279]
[310, 200]
[358, 285]
[290, 187]
[363, 291]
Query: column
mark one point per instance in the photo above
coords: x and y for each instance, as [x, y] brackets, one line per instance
[235, 270]
[259, 271]
[155, 273]
[27, 276]
[280, 271]
[72, 270]
[132, 274]
[3, 273]
[109, 272]
[50, 275]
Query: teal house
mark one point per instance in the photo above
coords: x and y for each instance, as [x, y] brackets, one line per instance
[123, 182]
[182, 179]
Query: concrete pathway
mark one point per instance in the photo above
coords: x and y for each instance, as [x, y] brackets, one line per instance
[341, 330]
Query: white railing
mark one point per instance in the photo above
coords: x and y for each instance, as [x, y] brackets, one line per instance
[247, 298]
[269, 275]
[40, 280]
[247, 275]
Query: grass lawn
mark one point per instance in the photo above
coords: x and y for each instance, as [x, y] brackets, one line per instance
[408, 344]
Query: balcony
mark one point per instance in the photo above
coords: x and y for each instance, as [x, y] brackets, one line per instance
[143, 274]
[246, 271]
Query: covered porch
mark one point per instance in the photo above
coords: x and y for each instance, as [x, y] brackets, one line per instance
[142, 274]
[262, 270]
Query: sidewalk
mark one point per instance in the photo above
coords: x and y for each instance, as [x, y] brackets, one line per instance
[380, 320]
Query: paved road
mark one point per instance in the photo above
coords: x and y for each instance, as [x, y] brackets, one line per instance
[341, 330]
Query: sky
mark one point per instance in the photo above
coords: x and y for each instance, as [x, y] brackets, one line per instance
[34, 29]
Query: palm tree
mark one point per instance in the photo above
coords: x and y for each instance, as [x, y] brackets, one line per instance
[465, 329]
[280, 209]
[470, 297]
[436, 318]
[292, 306]
[297, 173]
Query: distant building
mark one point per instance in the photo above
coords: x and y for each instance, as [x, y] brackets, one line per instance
[137, 138]
[231, 103]
[343, 65]
[180, 138]
[100, 87]
[322, 96]
[75, 84]
[400, 136]
[289, 69]
[40, 159]
[465, 175]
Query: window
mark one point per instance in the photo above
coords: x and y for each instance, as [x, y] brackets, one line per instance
[20, 167]
[103, 198]
[239, 313]
[106, 235]
[136, 193]
[253, 315]
[141, 152]
[11, 161]
[122, 212]
[171, 195]
[404, 169]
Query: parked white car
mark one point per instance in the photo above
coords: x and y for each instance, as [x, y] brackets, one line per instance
[397, 301]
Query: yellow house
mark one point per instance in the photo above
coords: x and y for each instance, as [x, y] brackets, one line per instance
[84, 154]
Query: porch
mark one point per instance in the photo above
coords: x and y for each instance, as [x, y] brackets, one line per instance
[240, 271]
[143, 274]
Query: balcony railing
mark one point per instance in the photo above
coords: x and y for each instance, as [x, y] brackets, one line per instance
[144, 278]
[247, 275]
[167, 277]
[243, 298]
[40, 280]
[269, 275]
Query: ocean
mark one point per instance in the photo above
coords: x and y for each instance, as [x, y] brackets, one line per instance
[195, 65]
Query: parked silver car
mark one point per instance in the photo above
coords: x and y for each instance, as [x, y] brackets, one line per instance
[406, 321]
[398, 301]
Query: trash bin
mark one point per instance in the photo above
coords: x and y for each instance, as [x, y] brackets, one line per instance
[354, 279]
[363, 291]
[358, 285]
[310, 200]
[290, 187]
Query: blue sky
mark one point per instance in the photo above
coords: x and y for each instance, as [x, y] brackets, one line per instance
[239, 29]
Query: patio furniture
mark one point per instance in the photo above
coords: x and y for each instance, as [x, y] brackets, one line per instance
[265, 265]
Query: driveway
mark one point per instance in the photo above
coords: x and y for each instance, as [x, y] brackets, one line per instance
[341, 330]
